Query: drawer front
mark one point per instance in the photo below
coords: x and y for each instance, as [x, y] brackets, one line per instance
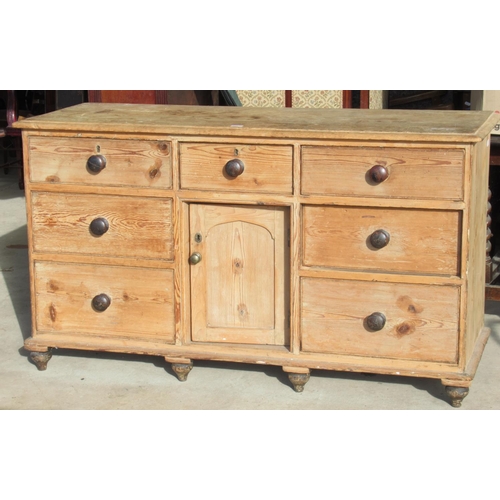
[266, 169]
[416, 241]
[135, 163]
[410, 173]
[70, 223]
[421, 321]
[141, 301]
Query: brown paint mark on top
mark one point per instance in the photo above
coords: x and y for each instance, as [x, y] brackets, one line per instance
[237, 266]
[52, 178]
[154, 172]
[407, 304]
[405, 328]
[53, 286]
[53, 314]
[242, 311]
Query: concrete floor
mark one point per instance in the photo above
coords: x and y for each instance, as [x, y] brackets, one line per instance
[87, 380]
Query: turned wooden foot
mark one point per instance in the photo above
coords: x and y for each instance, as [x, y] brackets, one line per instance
[456, 395]
[41, 359]
[182, 370]
[298, 380]
[298, 377]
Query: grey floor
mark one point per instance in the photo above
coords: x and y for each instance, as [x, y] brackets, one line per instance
[87, 380]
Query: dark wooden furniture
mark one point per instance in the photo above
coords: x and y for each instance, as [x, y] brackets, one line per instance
[188, 97]
[13, 136]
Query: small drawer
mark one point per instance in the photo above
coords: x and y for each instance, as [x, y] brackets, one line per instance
[104, 301]
[383, 172]
[251, 168]
[106, 162]
[382, 239]
[386, 320]
[115, 226]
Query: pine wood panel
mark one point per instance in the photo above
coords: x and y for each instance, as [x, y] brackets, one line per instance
[138, 227]
[128, 162]
[413, 173]
[421, 241]
[142, 302]
[422, 320]
[474, 320]
[239, 289]
[268, 169]
[383, 124]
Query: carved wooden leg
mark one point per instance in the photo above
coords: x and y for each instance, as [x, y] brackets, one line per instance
[456, 395]
[298, 377]
[489, 262]
[41, 359]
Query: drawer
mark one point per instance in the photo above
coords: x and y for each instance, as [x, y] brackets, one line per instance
[71, 223]
[416, 241]
[137, 163]
[141, 301]
[266, 169]
[408, 173]
[387, 320]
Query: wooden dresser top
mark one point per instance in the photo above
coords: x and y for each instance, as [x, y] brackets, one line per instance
[288, 123]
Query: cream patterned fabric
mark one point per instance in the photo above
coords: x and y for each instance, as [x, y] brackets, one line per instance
[317, 99]
[262, 98]
[302, 98]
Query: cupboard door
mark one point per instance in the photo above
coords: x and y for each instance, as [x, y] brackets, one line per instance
[239, 287]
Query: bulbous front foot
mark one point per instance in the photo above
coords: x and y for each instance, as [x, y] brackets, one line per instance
[182, 370]
[456, 395]
[298, 377]
[41, 359]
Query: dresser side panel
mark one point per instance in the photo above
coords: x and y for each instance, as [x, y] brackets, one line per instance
[476, 262]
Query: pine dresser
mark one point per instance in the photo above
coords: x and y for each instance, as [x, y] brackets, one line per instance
[350, 240]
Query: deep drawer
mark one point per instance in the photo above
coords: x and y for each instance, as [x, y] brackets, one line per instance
[421, 321]
[416, 241]
[266, 169]
[141, 300]
[411, 173]
[137, 227]
[138, 163]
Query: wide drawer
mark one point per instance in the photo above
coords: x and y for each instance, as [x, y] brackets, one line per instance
[70, 223]
[356, 171]
[342, 317]
[141, 301]
[416, 241]
[138, 163]
[266, 169]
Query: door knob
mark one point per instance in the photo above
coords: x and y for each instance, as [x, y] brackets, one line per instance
[195, 258]
[96, 163]
[233, 168]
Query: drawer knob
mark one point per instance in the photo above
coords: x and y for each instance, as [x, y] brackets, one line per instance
[195, 258]
[99, 226]
[378, 174]
[233, 168]
[380, 238]
[96, 163]
[375, 321]
[101, 302]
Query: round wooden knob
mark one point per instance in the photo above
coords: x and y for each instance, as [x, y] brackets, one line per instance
[378, 174]
[195, 258]
[233, 168]
[380, 238]
[101, 302]
[99, 226]
[96, 163]
[375, 321]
